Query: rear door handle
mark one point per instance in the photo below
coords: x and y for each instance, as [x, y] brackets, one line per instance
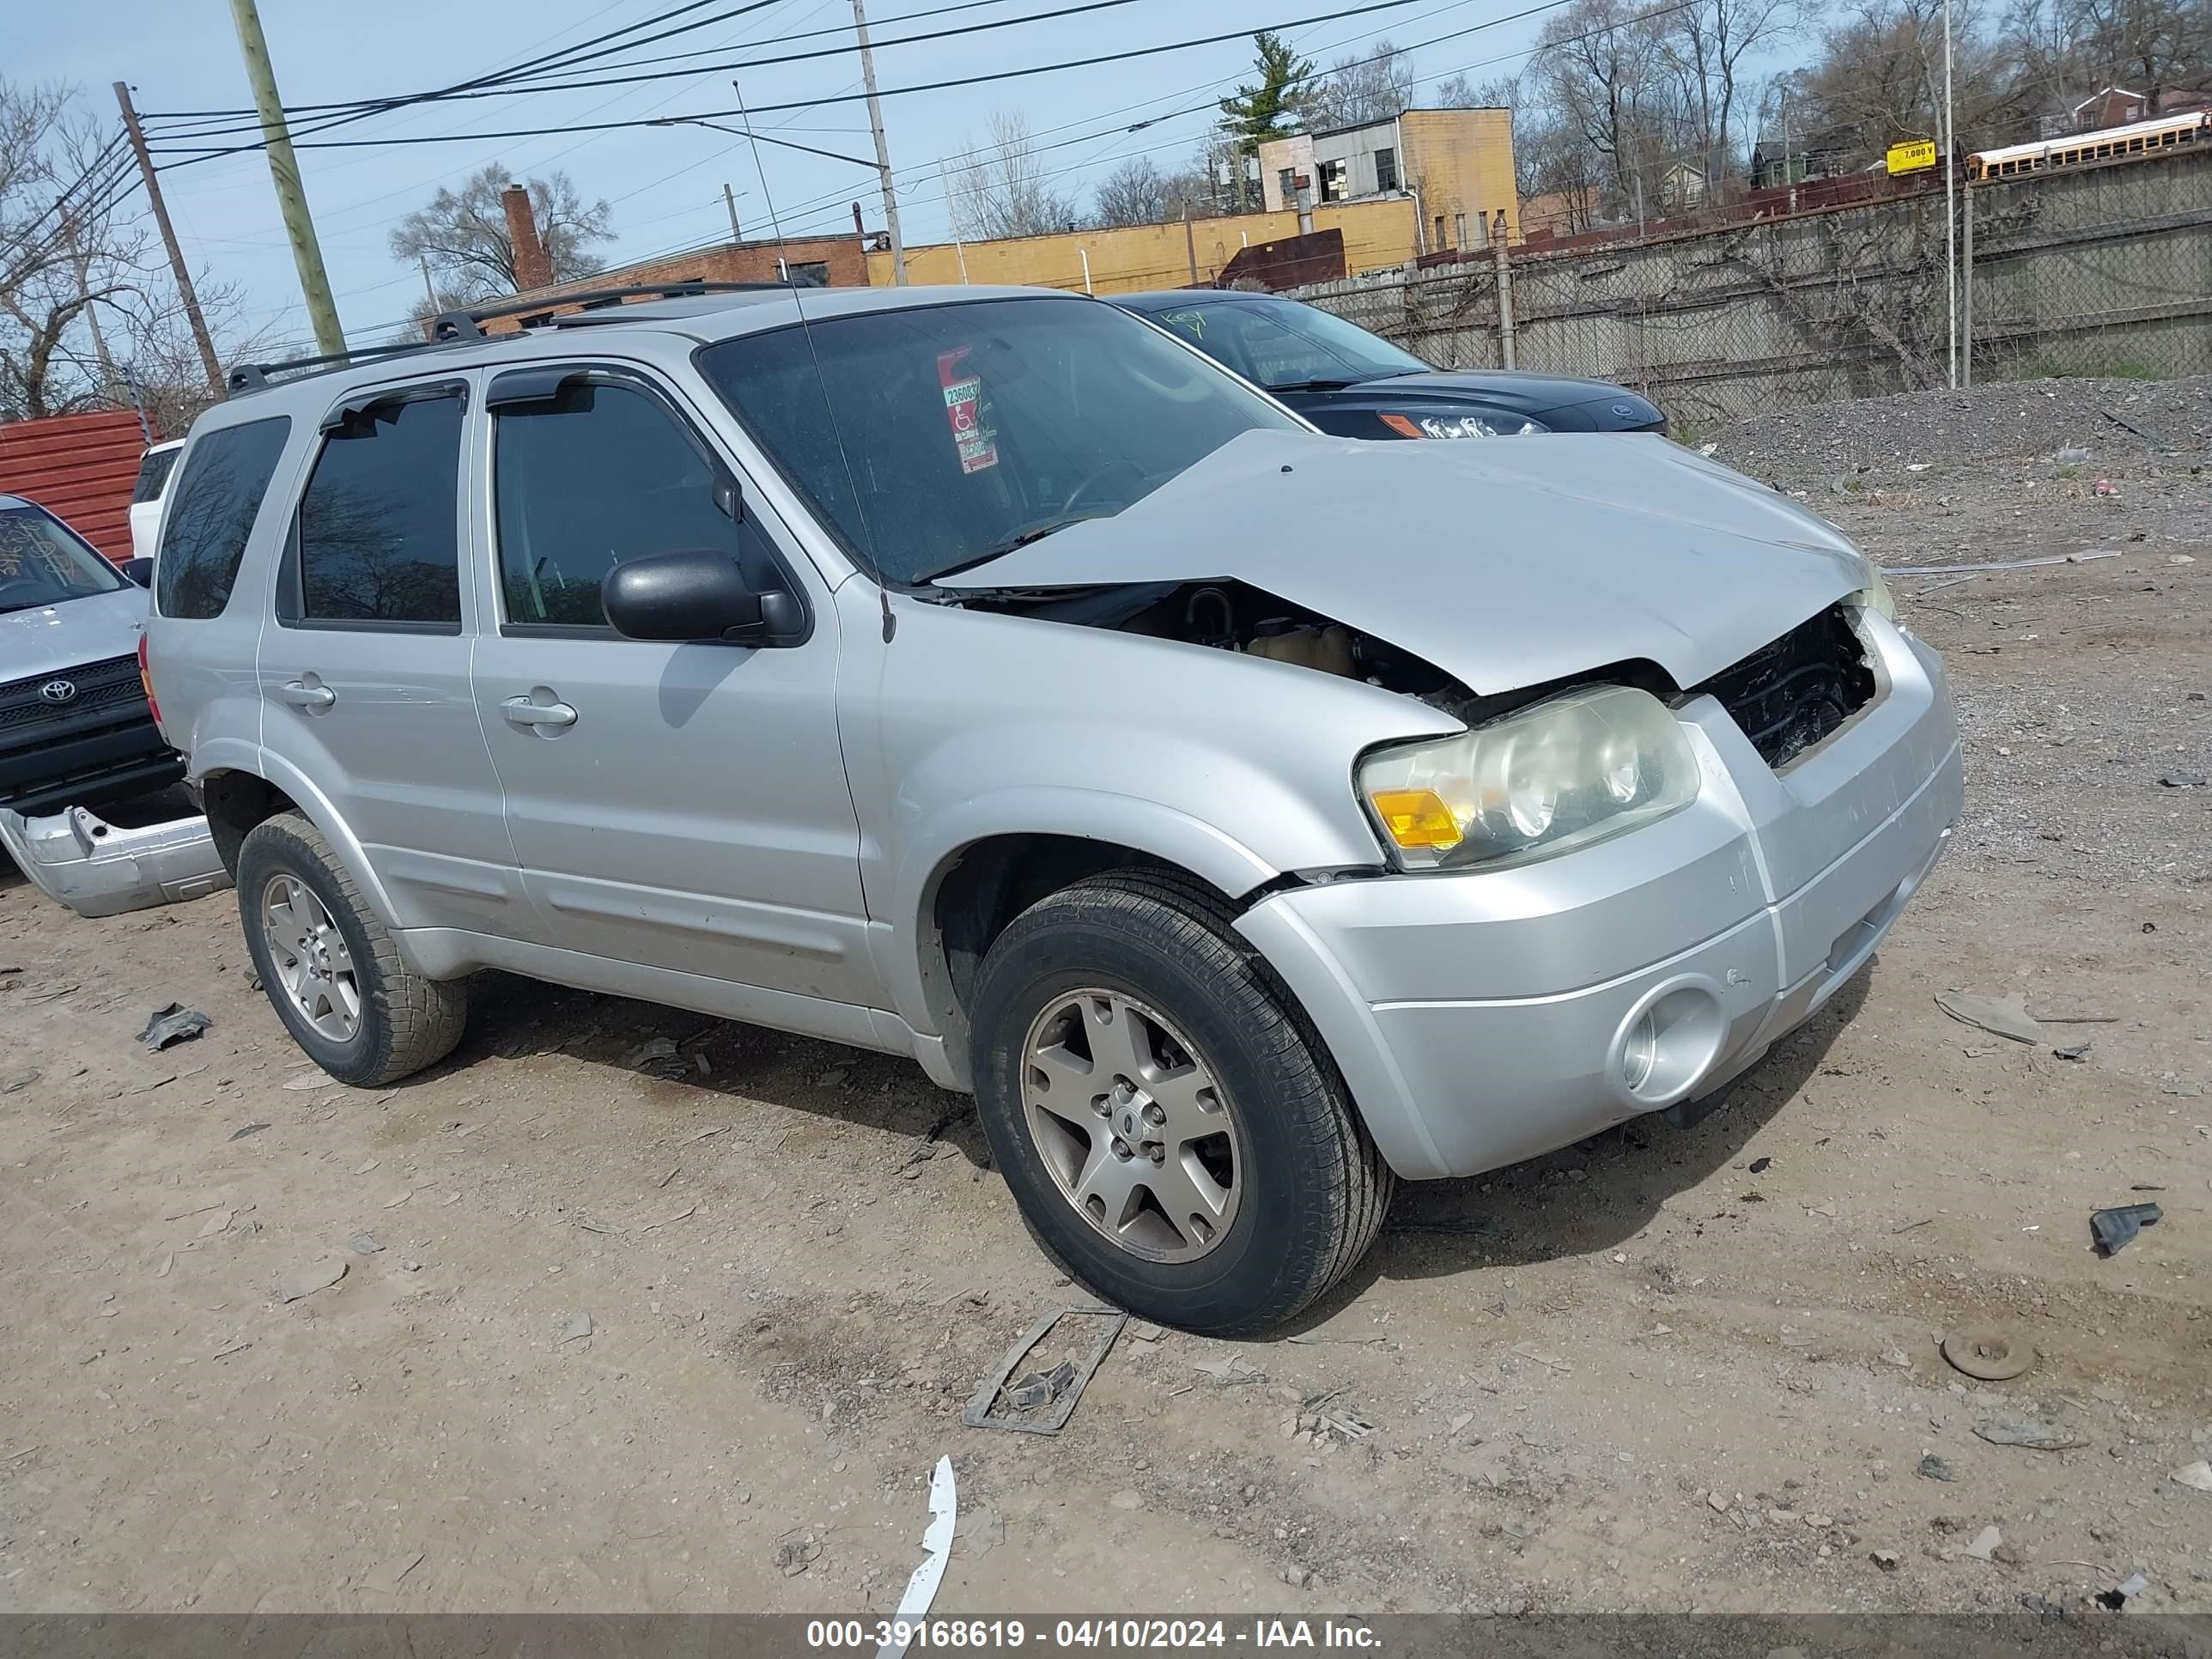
[522, 712]
[300, 695]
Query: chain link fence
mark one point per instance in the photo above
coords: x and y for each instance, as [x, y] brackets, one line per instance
[2103, 271]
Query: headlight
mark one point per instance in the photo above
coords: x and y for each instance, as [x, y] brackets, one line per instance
[1557, 774]
[1459, 426]
[1875, 595]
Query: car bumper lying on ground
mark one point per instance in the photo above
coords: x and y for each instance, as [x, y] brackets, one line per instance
[99, 869]
[1483, 1018]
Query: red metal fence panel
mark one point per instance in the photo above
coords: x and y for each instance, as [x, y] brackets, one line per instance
[79, 467]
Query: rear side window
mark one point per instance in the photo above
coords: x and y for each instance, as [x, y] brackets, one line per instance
[152, 472]
[203, 532]
[379, 541]
[601, 474]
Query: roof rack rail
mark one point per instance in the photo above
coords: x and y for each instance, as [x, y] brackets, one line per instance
[452, 325]
[252, 377]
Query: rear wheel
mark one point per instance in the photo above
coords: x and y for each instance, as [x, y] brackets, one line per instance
[1176, 1135]
[328, 966]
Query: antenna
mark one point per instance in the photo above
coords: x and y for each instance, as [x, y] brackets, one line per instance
[852, 481]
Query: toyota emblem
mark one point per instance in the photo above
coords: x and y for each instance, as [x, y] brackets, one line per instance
[59, 691]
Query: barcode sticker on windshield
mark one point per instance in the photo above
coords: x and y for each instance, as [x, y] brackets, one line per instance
[963, 408]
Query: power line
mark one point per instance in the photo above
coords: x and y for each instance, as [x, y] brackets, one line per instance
[886, 91]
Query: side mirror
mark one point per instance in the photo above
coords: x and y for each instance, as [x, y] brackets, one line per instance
[137, 570]
[698, 595]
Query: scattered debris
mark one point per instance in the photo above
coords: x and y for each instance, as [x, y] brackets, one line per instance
[1144, 1331]
[22, 1080]
[1909, 1225]
[2001, 564]
[2034, 1435]
[2115, 1229]
[176, 1023]
[937, 1547]
[1318, 1339]
[314, 1078]
[2196, 1476]
[363, 1244]
[1349, 1425]
[1718, 1501]
[659, 1057]
[2120, 1595]
[2072, 455]
[1760, 1165]
[1230, 1373]
[579, 1326]
[794, 1555]
[2071, 1051]
[384, 1580]
[1527, 1351]
[1933, 1467]
[1994, 1355]
[398, 1198]
[250, 1129]
[1041, 1388]
[217, 1223]
[2183, 781]
[308, 1280]
[719, 1128]
[1887, 1560]
[977, 1415]
[1459, 1423]
[1984, 1545]
[2004, 1017]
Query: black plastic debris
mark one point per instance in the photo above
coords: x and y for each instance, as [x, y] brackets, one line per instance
[1758, 1165]
[2116, 1229]
[1933, 1467]
[2072, 1051]
[174, 1023]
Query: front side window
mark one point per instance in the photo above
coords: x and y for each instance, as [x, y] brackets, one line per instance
[581, 481]
[1285, 346]
[934, 438]
[378, 539]
[203, 532]
[43, 562]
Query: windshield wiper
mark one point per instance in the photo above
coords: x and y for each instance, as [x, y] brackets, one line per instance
[1021, 538]
[1312, 385]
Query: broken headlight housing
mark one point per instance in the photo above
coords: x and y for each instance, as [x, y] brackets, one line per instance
[1875, 595]
[1460, 426]
[1558, 774]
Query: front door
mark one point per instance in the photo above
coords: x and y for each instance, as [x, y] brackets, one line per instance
[364, 678]
[682, 807]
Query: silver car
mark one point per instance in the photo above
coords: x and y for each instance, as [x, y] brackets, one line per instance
[1248, 818]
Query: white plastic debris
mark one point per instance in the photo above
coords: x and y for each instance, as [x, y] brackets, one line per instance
[937, 1545]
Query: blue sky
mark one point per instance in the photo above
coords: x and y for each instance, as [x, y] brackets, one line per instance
[664, 184]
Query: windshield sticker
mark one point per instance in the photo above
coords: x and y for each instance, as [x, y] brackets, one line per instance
[963, 407]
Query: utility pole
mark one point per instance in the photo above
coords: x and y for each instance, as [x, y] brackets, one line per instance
[730, 201]
[91, 310]
[1966, 285]
[176, 267]
[284, 174]
[1950, 209]
[883, 149]
[430, 288]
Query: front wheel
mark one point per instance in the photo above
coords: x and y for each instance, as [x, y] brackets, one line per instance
[1172, 1129]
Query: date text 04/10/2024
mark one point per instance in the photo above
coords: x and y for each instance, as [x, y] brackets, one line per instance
[1090, 1634]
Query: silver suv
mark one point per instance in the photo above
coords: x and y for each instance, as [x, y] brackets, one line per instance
[1247, 817]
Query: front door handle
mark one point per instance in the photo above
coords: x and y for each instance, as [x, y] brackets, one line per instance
[300, 695]
[522, 712]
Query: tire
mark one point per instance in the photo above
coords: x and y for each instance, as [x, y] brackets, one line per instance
[401, 1021]
[1308, 1190]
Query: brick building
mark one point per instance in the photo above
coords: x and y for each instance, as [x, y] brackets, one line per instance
[839, 261]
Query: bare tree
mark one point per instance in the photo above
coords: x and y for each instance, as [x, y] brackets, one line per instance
[462, 236]
[1600, 71]
[1003, 187]
[1704, 44]
[1134, 193]
[1878, 76]
[1362, 88]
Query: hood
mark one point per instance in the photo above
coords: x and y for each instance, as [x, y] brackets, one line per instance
[1560, 401]
[1507, 565]
[52, 639]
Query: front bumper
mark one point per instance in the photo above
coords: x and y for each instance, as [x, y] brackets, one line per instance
[1483, 1018]
[99, 869]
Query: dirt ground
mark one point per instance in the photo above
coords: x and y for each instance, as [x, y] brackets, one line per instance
[1670, 1369]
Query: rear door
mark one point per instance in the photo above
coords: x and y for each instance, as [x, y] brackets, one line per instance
[365, 674]
[678, 806]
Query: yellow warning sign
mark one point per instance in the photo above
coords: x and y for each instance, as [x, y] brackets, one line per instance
[1916, 156]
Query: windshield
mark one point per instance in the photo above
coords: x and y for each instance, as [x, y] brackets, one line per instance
[1280, 343]
[938, 437]
[44, 561]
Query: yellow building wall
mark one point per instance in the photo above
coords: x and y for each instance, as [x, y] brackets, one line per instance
[1132, 259]
[1460, 162]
